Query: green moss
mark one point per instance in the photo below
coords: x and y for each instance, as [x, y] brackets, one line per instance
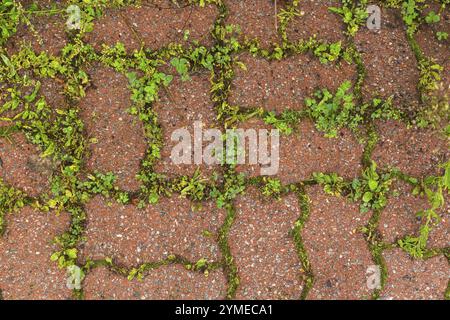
[307, 272]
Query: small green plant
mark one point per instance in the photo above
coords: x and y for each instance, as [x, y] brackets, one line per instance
[371, 189]
[234, 184]
[332, 183]
[331, 112]
[432, 17]
[441, 35]
[182, 67]
[434, 188]
[272, 188]
[353, 13]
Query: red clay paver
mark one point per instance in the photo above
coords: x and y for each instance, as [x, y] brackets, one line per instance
[390, 63]
[415, 279]
[132, 236]
[434, 48]
[48, 36]
[256, 19]
[166, 283]
[307, 151]
[263, 249]
[279, 85]
[156, 24]
[120, 144]
[53, 92]
[25, 250]
[417, 152]
[180, 106]
[338, 253]
[399, 218]
[316, 19]
[22, 167]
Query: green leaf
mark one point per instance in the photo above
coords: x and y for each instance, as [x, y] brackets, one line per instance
[432, 17]
[367, 197]
[71, 253]
[373, 184]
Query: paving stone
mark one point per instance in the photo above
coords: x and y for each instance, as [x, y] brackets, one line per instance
[417, 152]
[22, 167]
[132, 236]
[166, 283]
[338, 252]
[279, 85]
[120, 143]
[415, 279]
[49, 36]
[25, 250]
[263, 249]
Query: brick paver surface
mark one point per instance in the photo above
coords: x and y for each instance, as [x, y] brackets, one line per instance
[87, 179]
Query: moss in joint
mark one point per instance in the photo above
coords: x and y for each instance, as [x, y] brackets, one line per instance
[308, 276]
[230, 267]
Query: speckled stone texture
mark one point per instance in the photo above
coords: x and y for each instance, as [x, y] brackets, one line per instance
[119, 144]
[338, 252]
[415, 279]
[281, 85]
[263, 248]
[134, 236]
[262, 243]
[27, 272]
